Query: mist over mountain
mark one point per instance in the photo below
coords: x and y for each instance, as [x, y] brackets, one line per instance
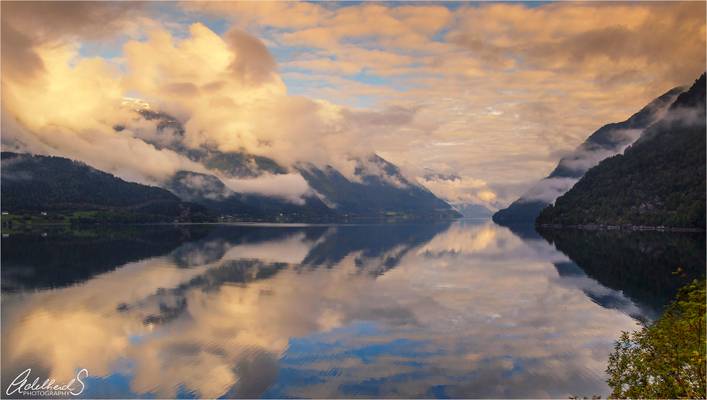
[605, 142]
[378, 189]
[210, 192]
[242, 184]
[658, 181]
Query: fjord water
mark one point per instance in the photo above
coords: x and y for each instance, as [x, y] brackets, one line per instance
[461, 309]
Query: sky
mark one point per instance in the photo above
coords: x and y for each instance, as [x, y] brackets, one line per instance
[477, 101]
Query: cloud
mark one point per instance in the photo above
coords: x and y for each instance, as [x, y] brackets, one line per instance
[201, 186]
[493, 92]
[242, 103]
[459, 190]
[277, 14]
[383, 119]
[548, 189]
[291, 187]
[454, 291]
[643, 39]
[511, 85]
[225, 90]
[588, 155]
[71, 112]
[27, 24]
[253, 62]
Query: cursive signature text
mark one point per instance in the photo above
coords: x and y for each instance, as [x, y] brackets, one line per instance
[22, 385]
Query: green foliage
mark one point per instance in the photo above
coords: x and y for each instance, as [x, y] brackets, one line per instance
[666, 359]
[520, 211]
[660, 181]
[240, 164]
[602, 140]
[69, 190]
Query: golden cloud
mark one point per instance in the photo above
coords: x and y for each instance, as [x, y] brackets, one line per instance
[511, 86]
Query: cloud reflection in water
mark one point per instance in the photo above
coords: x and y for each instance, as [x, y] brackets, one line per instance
[461, 310]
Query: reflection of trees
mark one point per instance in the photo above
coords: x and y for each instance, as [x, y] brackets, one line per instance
[649, 267]
[64, 258]
[30, 261]
[523, 231]
[605, 297]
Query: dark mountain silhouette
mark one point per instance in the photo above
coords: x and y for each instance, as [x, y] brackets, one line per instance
[658, 181]
[33, 184]
[378, 189]
[380, 193]
[608, 140]
[209, 191]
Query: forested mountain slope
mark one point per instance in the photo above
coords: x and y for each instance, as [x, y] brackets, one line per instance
[607, 141]
[658, 181]
[35, 184]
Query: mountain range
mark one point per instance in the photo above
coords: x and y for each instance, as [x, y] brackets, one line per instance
[377, 189]
[658, 181]
[646, 170]
[210, 192]
[607, 141]
[36, 184]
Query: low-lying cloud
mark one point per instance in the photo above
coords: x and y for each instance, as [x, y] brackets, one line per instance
[549, 189]
[459, 190]
[589, 155]
[291, 187]
[501, 88]
[225, 91]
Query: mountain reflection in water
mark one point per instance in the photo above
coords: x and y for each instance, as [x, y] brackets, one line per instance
[468, 309]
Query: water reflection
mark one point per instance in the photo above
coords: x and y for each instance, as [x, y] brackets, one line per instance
[460, 310]
[649, 267]
[60, 257]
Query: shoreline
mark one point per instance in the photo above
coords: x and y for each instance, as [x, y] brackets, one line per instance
[627, 227]
[372, 222]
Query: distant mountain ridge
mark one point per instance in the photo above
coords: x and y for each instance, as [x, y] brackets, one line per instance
[374, 194]
[607, 141]
[34, 184]
[377, 190]
[211, 192]
[469, 210]
[658, 181]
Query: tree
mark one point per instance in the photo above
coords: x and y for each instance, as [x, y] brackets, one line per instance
[667, 358]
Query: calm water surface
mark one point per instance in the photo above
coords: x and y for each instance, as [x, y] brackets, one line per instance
[465, 309]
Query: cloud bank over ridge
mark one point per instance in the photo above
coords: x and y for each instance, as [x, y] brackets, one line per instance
[490, 92]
